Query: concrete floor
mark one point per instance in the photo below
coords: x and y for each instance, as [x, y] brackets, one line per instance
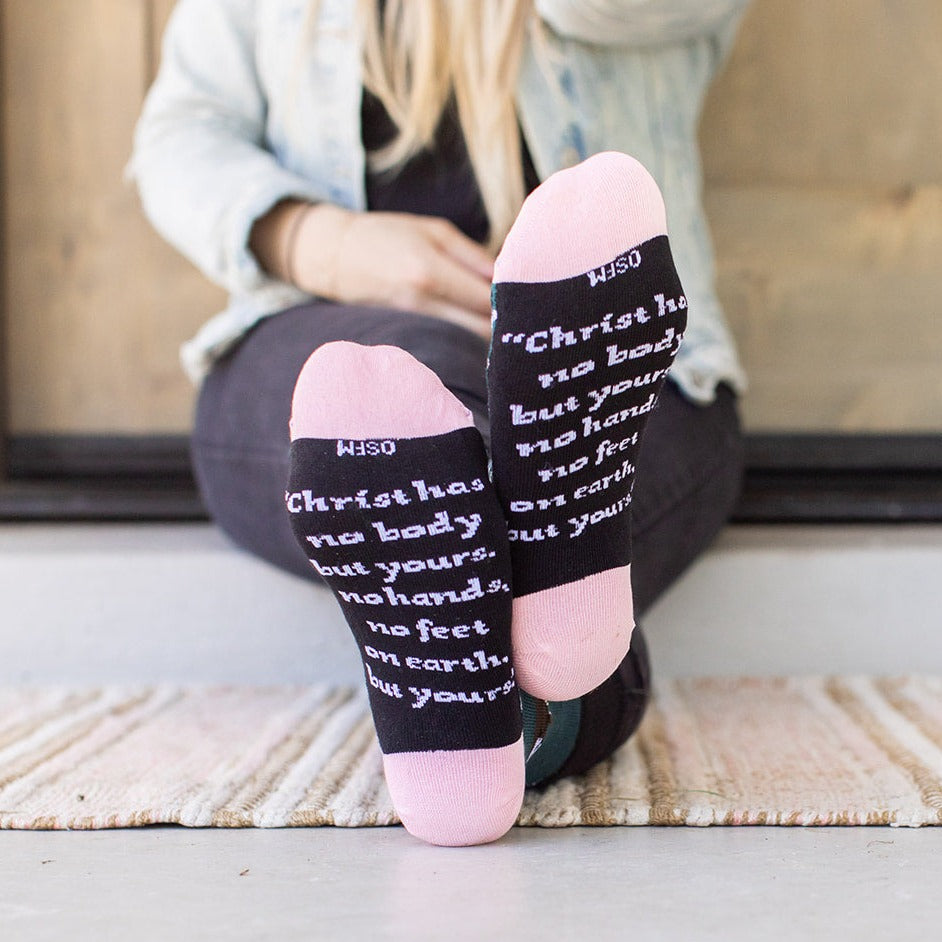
[640, 884]
[96, 604]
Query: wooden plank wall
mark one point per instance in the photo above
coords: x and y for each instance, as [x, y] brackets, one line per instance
[96, 303]
[821, 141]
[821, 144]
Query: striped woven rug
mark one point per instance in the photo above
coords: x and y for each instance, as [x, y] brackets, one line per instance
[788, 751]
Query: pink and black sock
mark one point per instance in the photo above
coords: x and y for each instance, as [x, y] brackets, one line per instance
[588, 316]
[389, 497]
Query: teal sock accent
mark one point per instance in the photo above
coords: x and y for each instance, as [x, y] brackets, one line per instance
[559, 737]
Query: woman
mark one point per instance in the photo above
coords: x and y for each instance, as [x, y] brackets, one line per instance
[348, 171]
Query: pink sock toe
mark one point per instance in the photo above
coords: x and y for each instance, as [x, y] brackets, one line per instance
[346, 390]
[476, 798]
[577, 198]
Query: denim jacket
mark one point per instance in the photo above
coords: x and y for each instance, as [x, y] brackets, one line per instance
[247, 110]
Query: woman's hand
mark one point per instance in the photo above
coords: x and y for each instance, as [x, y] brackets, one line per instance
[400, 260]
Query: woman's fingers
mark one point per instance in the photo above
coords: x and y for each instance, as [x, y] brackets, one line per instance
[465, 251]
[409, 262]
[456, 285]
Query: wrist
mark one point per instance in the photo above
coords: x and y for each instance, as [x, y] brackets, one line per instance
[316, 251]
[268, 240]
[290, 233]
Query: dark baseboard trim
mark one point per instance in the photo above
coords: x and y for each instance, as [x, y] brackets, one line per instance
[790, 478]
[45, 457]
[805, 478]
[116, 501]
[143, 478]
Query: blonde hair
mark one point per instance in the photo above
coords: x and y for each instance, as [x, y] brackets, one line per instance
[423, 51]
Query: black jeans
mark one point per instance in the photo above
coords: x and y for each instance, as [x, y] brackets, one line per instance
[689, 469]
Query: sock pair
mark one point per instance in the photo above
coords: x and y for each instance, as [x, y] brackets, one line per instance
[457, 587]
